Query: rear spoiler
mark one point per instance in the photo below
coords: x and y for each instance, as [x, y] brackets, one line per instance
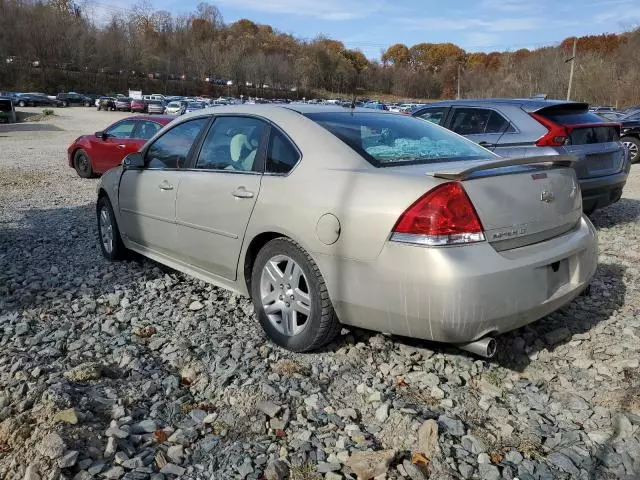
[556, 160]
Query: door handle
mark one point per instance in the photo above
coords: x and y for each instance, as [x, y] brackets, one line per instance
[165, 186]
[242, 192]
[486, 144]
[122, 146]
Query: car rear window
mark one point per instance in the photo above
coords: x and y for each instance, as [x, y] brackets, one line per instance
[388, 140]
[570, 116]
[5, 105]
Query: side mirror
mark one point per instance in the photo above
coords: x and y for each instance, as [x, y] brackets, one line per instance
[133, 160]
[102, 135]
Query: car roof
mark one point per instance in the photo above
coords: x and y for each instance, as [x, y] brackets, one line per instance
[303, 108]
[161, 119]
[527, 104]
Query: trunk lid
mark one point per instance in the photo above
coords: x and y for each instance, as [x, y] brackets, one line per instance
[520, 201]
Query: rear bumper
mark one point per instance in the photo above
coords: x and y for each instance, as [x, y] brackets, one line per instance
[460, 294]
[602, 191]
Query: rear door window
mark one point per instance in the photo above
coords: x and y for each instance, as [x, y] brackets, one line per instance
[172, 149]
[146, 129]
[479, 121]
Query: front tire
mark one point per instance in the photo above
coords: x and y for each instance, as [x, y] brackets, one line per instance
[291, 298]
[109, 237]
[82, 164]
[22, 103]
[633, 144]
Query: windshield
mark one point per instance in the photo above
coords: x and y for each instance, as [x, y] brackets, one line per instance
[387, 140]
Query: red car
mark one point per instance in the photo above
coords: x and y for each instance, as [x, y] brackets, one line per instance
[95, 154]
[139, 106]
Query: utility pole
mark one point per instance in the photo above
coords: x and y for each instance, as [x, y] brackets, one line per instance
[458, 96]
[573, 61]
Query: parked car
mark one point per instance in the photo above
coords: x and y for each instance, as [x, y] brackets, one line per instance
[532, 127]
[7, 110]
[138, 105]
[392, 223]
[35, 100]
[611, 116]
[194, 107]
[106, 104]
[155, 106]
[72, 98]
[375, 106]
[175, 108]
[91, 155]
[602, 109]
[631, 134]
[123, 104]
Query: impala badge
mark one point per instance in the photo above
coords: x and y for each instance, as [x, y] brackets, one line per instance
[547, 196]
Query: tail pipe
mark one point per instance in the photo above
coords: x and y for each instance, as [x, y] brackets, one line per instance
[485, 347]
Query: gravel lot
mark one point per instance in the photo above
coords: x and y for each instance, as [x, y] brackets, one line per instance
[131, 370]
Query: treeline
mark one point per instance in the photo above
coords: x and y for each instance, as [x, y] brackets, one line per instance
[151, 49]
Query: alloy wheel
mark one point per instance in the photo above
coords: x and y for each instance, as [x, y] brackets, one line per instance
[284, 294]
[82, 163]
[106, 230]
[633, 150]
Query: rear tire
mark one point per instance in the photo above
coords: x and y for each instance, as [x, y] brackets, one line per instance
[22, 103]
[302, 289]
[82, 164]
[633, 144]
[109, 238]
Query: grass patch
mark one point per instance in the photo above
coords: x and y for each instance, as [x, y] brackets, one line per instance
[304, 471]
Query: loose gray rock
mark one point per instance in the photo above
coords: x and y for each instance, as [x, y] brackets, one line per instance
[452, 425]
[269, 408]
[382, 413]
[277, 470]
[488, 472]
[51, 446]
[69, 459]
[172, 469]
[114, 473]
[31, 473]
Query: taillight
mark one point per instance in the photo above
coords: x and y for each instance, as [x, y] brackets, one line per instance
[442, 216]
[557, 136]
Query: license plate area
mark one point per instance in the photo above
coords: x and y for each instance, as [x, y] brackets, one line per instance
[600, 162]
[558, 275]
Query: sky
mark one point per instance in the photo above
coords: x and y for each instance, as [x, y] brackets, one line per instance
[475, 25]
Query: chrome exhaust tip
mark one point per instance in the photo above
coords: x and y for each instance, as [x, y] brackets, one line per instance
[485, 347]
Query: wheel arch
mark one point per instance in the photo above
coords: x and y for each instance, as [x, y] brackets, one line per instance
[255, 245]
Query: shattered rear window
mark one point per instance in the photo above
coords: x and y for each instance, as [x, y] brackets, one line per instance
[387, 140]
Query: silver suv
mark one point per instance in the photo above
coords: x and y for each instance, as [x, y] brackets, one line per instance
[529, 127]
